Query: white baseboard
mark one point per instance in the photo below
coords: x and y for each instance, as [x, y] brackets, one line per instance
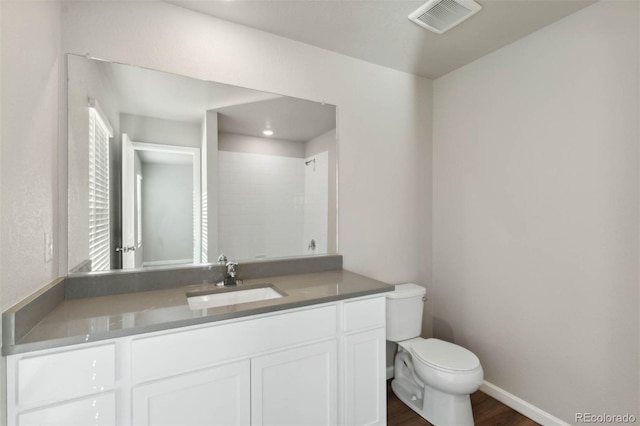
[512, 401]
[521, 406]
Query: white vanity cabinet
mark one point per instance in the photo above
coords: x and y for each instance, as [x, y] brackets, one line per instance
[214, 396]
[219, 374]
[316, 365]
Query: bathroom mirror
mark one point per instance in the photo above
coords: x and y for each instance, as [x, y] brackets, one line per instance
[169, 170]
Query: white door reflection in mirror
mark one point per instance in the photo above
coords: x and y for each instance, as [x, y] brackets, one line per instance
[161, 206]
[128, 203]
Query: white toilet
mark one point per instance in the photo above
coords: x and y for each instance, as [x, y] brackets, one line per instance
[431, 376]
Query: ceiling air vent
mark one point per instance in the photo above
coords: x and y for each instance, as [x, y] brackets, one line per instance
[442, 15]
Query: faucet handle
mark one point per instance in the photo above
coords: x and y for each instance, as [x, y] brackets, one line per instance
[222, 258]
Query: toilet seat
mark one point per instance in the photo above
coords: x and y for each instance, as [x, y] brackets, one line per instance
[443, 355]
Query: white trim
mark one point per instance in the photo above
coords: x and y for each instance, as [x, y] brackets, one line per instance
[197, 191]
[171, 149]
[520, 405]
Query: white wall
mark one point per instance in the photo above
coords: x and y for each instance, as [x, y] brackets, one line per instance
[535, 223]
[28, 151]
[29, 81]
[261, 204]
[384, 137]
[255, 145]
[316, 204]
[327, 142]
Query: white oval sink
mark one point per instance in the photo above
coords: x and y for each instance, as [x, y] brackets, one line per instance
[233, 296]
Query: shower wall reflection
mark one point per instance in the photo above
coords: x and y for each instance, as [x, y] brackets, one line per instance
[277, 206]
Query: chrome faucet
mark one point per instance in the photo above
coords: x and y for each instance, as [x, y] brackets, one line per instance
[231, 273]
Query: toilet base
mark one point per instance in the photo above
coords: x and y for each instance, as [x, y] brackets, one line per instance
[436, 407]
[406, 392]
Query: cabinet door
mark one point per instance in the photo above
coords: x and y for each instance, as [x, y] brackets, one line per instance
[296, 387]
[215, 396]
[96, 410]
[365, 381]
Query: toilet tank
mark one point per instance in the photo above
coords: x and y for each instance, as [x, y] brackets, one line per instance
[404, 312]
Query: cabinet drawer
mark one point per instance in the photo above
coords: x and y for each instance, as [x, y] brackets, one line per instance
[65, 375]
[362, 314]
[99, 410]
[168, 354]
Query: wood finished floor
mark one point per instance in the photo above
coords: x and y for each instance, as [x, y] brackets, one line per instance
[486, 412]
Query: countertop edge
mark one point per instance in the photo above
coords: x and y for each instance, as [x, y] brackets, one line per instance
[19, 348]
[21, 318]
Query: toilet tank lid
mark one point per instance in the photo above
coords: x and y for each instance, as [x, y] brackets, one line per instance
[406, 290]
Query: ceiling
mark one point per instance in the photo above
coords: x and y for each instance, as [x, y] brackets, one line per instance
[157, 94]
[158, 157]
[378, 31]
[289, 118]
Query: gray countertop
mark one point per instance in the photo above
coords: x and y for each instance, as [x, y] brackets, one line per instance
[91, 319]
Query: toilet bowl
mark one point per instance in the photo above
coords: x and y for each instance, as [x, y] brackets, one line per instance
[431, 376]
